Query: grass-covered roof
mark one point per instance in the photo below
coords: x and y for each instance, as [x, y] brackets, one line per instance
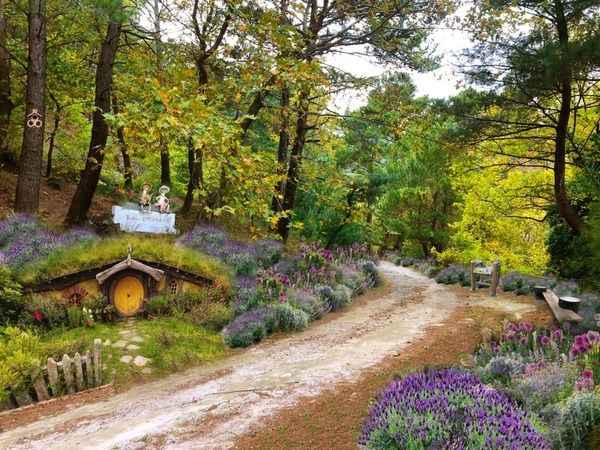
[93, 253]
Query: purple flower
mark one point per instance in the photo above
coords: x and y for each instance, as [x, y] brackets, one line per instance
[545, 341]
[527, 327]
[557, 335]
[593, 337]
[449, 407]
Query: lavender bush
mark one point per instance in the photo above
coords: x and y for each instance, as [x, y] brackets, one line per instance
[250, 327]
[447, 409]
[245, 257]
[24, 240]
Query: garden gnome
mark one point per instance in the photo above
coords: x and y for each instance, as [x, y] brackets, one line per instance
[162, 201]
[146, 197]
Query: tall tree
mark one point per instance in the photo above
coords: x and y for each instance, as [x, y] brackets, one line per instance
[127, 169]
[393, 31]
[165, 165]
[209, 25]
[6, 104]
[82, 200]
[540, 61]
[30, 163]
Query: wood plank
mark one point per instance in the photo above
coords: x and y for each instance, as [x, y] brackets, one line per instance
[39, 384]
[89, 369]
[561, 314]
[52, 368]
[68, 373]
[78, 372]
[482, 270]
[97, 361]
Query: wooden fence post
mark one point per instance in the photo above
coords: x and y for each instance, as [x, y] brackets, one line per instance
[89, 370]
[39, 384]
[495, 281]
[52, 367]
[78, 372]
[97, 361]
[67, 371]
[473, 277]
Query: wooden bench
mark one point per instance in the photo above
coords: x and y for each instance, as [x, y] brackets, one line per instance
[561, 314]
[485, 275]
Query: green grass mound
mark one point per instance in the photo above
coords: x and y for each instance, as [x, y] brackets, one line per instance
[90, 254]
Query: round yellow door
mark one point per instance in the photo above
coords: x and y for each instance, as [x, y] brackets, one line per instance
[128, 295]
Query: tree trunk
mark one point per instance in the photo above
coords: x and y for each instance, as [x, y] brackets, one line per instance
[282, 150]
[565, 209]
[195, 179]
[165, 158]
[127, 171]
[6, 104]
[292, 179]
[51, 141]
[30, 163]
[90, 175]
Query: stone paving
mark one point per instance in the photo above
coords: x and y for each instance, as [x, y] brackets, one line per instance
[129, 338]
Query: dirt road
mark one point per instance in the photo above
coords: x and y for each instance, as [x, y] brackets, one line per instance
[210, 407]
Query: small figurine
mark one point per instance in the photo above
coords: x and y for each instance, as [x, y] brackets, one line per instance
[162, 201]
[145, 202]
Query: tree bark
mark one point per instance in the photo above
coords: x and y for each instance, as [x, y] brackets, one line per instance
[282, 150]
[293, 174]
[196, 176]
[127, 171]
[6, 104]
[90, 175]
[30, 163]
[565, 209]
[52, 139]
[165, 158]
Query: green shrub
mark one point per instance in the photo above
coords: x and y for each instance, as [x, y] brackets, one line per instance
[580, 415]
[11, 299]
[159, 305]
[370, 269]
[289, 318]
[53, 314]
[75, 317]
[341, 297]
[19, 355]
[214, 316]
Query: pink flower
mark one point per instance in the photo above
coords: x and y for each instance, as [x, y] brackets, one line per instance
[587, 373]
[527, 327]
[545, 341]
[38, 315]
[593, 337]
[557, 335]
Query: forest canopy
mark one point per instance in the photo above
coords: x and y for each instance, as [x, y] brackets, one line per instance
[229, 103]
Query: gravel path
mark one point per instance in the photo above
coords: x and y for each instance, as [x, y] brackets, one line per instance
[210, 407]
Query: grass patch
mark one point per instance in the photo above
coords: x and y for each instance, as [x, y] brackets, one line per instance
[174, 344]
[171, 343]
[98, 252]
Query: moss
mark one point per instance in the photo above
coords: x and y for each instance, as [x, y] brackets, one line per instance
[98, 252]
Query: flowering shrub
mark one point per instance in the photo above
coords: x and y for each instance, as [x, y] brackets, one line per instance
[245, 258]
[449, 409]
[544, 383]
[24, 240]
[308, 302]
[250, 327]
